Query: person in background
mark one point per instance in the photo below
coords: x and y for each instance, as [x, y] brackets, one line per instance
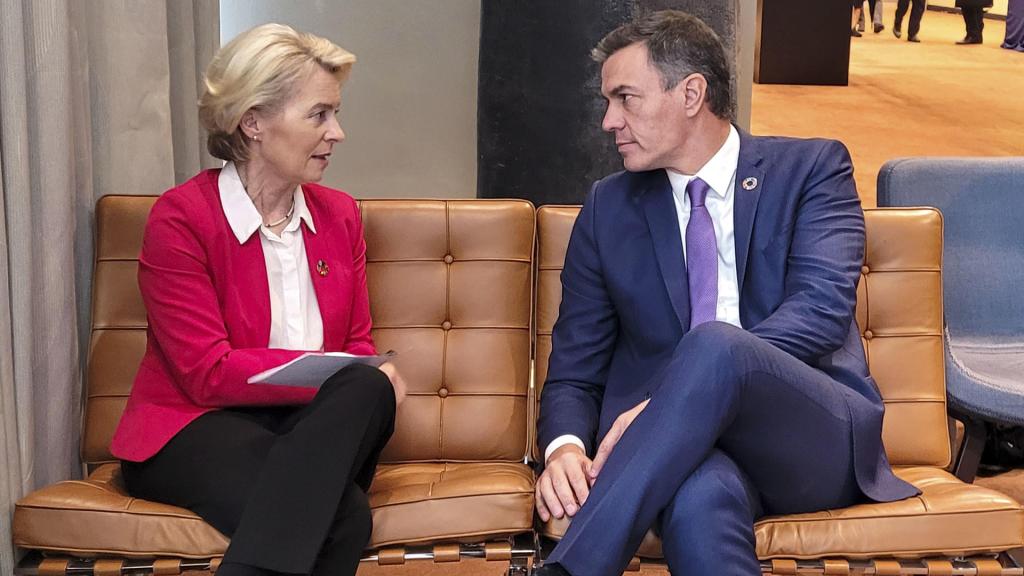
[242, 269]
[858, 13]
[914, 26]
[877, 11]
[973, 12]
[1014, 26]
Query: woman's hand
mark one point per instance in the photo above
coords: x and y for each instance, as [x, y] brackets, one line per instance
[396, 381]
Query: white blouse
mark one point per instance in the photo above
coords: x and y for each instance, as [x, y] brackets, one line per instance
[295, 322]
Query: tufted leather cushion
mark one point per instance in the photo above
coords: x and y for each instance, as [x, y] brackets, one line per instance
[418, 503]
[450, 291]
[949, 518]
[450, 288]
[412, 503]
[88, 517]
[899, 311]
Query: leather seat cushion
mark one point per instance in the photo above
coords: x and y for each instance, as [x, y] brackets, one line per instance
[949, 518]
[96, 516]
[411, 503]
[421, 503]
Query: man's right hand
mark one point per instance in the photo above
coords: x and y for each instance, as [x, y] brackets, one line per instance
[563, 487]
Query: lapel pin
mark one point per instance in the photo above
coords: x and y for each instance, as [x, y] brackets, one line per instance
[322, 267]
[749, 183]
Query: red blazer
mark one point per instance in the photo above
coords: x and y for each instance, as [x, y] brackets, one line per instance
[208, 304]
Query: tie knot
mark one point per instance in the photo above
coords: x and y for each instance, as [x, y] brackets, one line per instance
[697, 190]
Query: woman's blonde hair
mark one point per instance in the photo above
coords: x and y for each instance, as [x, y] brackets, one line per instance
[259, 69]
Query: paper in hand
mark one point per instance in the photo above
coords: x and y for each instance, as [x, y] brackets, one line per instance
[313, 368]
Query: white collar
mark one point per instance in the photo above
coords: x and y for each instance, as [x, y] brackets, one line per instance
[719, 170]
[242, 215]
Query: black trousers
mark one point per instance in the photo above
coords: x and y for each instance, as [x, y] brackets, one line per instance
[974, 19]
[916, 12]
[286, 484]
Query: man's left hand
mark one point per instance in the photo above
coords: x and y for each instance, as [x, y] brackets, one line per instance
[612, 437]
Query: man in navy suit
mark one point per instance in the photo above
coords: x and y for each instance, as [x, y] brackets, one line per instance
[706, 366]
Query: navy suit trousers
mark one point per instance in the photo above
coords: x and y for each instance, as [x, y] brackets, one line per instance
[735, 429]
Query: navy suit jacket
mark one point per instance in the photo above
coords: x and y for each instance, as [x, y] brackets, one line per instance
[625, 305]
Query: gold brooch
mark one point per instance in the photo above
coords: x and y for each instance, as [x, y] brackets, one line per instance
[322, 267]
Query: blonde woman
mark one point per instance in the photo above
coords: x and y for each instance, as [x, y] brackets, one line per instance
[242, 269]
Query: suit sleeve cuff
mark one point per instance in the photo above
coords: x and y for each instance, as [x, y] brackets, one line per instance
[562, 441]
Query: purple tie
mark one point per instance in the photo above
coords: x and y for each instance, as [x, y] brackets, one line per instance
[701, 256]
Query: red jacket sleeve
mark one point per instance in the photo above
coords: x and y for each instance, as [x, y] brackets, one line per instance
[186, 320]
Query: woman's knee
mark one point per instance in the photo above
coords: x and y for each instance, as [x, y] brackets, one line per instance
[362, 381]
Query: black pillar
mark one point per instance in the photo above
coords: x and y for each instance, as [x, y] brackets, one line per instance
[539, 131]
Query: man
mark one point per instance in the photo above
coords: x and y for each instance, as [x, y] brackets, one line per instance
[705, 355]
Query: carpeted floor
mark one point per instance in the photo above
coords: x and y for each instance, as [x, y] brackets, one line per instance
[927, 99]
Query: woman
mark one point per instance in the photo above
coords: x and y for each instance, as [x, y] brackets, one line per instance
[973, 12]
[242, 269]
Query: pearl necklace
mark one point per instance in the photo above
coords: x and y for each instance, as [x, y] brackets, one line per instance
[283, 218]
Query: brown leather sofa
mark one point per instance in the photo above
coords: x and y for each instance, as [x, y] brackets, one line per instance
[451, 290]
[952, 527]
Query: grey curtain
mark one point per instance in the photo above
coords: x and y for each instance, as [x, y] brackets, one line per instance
[96, 98]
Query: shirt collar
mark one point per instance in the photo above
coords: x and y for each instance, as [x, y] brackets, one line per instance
[241, 213]
[718, 172]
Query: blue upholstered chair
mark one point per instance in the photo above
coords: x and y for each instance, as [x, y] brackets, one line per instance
[982, 202]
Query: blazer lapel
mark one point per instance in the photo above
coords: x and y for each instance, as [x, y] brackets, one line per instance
[750, 180]
[660, 211]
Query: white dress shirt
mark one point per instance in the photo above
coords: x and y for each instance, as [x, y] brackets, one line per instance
[720, 175]
[295, 321]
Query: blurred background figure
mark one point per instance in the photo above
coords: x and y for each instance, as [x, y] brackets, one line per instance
[916, 12]
[875, 8]
[858, 14]
[974, 19]
[1014, 26]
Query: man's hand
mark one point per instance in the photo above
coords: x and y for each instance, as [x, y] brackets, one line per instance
[612, 437]
[563, 486]
[397, 382]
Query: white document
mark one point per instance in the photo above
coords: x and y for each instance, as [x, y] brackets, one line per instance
[313, 368]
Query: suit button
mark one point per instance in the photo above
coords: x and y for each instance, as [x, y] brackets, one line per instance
[864, 270]
[443, 392]
[446, 325]
[448, 259]
[869, 334]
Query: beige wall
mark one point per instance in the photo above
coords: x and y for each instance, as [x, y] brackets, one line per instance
[409, 109]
